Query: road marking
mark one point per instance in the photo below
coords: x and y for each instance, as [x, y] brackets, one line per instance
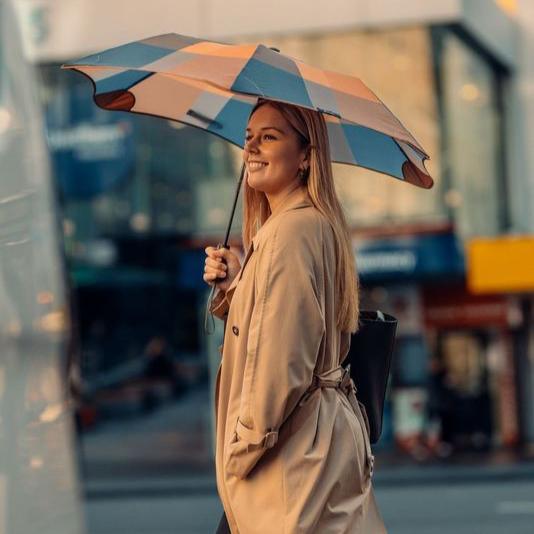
[515, 507]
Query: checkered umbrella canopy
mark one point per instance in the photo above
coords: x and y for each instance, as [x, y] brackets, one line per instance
[214, 86]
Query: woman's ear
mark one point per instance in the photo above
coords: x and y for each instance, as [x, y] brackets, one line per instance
[306, 158]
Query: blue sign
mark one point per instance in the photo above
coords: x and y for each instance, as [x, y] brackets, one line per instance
[410, 257]
[93, 150]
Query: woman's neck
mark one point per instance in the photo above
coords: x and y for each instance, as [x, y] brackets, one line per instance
[276, 201]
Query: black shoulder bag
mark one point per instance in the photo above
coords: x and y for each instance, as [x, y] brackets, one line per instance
[370, 355]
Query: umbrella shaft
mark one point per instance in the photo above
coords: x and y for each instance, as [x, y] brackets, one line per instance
[228, 228]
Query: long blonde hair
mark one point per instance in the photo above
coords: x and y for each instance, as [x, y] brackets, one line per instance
[312, 132]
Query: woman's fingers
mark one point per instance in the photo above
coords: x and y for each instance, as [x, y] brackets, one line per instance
[215, 253]
[215, 264]
[221, 265]
[220, 254]
[217, 272]
[214, 267]
[212, 276]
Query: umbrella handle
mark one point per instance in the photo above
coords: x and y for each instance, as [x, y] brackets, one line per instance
[219, 246]
[210, 298]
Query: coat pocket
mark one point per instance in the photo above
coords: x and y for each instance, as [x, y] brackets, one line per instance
[245, 449]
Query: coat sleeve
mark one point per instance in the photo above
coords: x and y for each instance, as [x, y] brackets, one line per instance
[219, 305]
[287, 327]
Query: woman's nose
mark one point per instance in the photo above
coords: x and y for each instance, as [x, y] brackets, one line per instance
[251, 145]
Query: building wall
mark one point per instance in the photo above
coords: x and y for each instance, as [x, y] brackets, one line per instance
[522, 186]
[65, 28]
[521, 131]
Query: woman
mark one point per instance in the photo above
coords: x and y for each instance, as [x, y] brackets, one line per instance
[293, 452]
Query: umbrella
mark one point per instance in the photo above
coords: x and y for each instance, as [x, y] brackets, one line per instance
[214, 86]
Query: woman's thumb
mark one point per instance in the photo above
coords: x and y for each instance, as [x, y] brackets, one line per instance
[222, 252]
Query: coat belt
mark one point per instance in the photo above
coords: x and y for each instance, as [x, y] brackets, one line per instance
[344, 382]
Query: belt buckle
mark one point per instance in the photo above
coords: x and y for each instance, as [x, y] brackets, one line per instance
[347, 383]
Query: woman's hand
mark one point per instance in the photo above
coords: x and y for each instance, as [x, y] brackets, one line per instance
[221, 267]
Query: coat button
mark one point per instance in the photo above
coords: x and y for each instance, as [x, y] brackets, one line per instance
[235, 330]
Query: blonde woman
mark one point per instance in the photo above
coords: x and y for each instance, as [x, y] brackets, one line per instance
[293, 452]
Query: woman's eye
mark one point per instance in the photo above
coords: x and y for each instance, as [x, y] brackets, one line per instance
[247, 138]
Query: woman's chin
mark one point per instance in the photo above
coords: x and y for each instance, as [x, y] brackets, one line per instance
[256, 183]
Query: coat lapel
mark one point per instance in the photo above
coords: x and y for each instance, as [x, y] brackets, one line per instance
[240, 273]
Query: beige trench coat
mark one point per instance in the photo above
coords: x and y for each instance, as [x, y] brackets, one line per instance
[293, 452]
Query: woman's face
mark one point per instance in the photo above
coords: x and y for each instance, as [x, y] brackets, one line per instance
[272, 152]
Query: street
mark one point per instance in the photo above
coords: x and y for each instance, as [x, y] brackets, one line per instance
[172, 491]
[491, 507]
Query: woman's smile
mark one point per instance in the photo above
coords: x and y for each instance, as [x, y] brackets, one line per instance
[254, 166]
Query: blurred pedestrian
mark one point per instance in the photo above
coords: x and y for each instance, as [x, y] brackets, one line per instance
[159, 359]
[440, 408]
[160, 367]
[292, 451]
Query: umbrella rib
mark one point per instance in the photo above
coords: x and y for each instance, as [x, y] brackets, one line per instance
[328, 112]
[204, 118]
[254, 84]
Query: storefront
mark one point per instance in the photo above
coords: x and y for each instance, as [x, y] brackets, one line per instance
[473, 370]
[453, 382]
[503, 267]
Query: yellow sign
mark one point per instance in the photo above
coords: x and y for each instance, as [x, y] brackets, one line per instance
[508, 6]
[502, 264]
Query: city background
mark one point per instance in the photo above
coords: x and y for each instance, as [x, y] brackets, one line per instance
[106, 373]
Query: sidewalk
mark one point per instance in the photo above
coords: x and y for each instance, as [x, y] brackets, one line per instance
[168, 453]
[461, 470]
[394, 468]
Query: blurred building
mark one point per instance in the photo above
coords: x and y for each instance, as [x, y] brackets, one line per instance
[142, 197]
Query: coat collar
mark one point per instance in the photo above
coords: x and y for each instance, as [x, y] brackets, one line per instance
[298, 198]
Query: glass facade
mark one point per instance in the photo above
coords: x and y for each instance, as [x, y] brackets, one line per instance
[472, 122]
[136, 192]
[126, 174]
